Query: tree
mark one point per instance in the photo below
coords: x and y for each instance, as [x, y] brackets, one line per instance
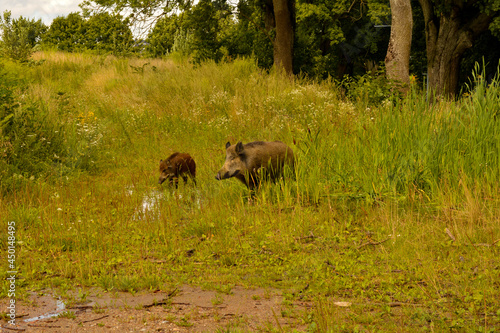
[141, 14]
[203, 23]
[280, 12]
[107, 33]
[397, 60]
[339, 38]
[450, 29]
[247, 36]
[284, 17]
[100, 33]
[66, 33]
[279, 23]
[161, 39]
[19, 36]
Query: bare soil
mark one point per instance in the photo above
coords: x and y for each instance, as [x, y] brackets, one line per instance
[185, 309]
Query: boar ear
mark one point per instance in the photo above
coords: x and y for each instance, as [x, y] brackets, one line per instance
[228, 144]
[161, 161]
[239, 147]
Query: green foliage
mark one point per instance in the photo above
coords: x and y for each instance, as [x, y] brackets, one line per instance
[183, 42]
[480, 112]
[203, 23]
[29, 139]
[162, 37]
[369, 89]
[249, 36]
[35, 142]
[106, 33]
[486, 52]
[19, 36]
[202, 32]
[66, 33]
[8, 85]
[332, 38]
[336, 38]
[100, 33]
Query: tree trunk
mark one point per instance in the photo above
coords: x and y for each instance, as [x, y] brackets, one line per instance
[447, 38]
[443, 65]
[397, 60]
[284, 13]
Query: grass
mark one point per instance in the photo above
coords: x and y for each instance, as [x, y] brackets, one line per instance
[394, 207]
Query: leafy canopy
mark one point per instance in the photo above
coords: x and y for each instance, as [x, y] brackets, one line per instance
[102, 32]
[19, 36]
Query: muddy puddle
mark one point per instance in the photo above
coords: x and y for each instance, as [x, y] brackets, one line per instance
[59, 306]
[149, 208]
[181, 309]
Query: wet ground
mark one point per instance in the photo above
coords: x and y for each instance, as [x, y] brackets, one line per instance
[185, 309]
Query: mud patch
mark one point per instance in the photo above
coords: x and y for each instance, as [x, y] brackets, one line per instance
[60, 307]
[185, 309]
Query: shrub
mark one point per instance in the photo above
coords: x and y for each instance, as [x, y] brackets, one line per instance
[20, 36]
[35, 143]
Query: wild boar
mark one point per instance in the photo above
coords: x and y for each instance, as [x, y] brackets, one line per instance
[177, 165]
[255, 161]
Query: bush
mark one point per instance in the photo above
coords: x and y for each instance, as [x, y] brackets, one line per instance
[20, 36]
[369, 89]
[35, 143]
[29, 141]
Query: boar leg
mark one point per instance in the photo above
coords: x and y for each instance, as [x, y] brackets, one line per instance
[174, 181]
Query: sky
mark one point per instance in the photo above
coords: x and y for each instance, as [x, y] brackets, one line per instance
[47, 10]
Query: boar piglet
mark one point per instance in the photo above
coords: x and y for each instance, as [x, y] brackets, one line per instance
[256, 161]
[177, 165]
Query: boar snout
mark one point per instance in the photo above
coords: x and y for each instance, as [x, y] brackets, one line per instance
[226, 175]
[221, 176]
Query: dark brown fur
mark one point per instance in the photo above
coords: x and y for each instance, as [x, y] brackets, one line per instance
[252, 162]
[177, 165]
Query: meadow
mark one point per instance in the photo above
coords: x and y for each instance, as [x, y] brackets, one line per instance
[393, 207]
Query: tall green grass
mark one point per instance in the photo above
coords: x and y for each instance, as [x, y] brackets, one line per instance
[362, 219]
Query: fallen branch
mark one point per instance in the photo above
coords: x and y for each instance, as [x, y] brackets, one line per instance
[452, 237]
[95, 319]
[81, 307]
[311, 236]
[22, 315]
[13, 328]
[373, 243]
[396, 304]
[482, 244]
[162, 302]
[448, 232]
[200, 306]
[212, 307]
[44, 326]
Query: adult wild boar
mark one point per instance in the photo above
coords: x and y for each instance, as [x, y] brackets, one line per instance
[177, 165]
[255, 161]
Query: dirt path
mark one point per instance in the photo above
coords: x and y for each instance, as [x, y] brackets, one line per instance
[186, 309]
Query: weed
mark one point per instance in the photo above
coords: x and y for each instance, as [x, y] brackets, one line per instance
[184, 321]
[217, 300]
[67, 314]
